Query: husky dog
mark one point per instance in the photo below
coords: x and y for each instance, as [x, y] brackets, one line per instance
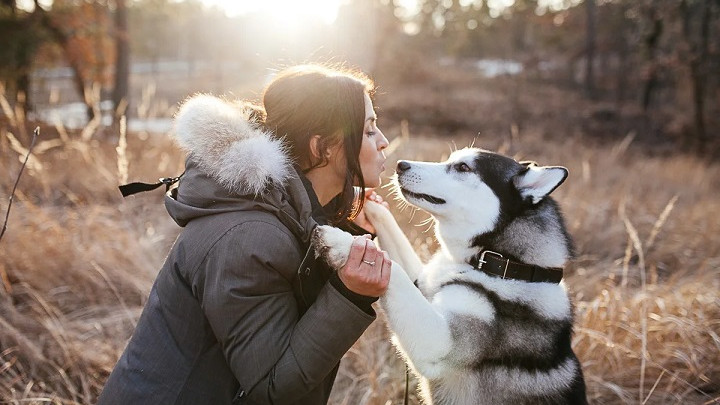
[490, 321]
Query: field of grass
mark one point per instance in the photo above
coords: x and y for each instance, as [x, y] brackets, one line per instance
[77, 261]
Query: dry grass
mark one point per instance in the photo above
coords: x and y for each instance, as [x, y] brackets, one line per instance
[77, 262]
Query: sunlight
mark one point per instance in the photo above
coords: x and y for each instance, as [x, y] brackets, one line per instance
[289, 14]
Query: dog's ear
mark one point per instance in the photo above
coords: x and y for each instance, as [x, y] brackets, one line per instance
[536, 182]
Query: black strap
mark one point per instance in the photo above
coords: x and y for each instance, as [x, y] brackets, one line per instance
[495, 264]
[138, 187]
[407, 385]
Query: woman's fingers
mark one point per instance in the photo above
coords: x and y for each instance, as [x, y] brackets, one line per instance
[367, 269]
[371, 252]
[372, 195]
[357, 251]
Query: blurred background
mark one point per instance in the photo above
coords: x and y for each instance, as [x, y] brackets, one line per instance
[652, 66]
[625, 93]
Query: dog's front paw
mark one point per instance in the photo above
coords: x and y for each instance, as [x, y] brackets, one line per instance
[376, 213]
[332, 244]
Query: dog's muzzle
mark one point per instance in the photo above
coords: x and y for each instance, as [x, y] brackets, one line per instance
[420, 196]
[402, 167]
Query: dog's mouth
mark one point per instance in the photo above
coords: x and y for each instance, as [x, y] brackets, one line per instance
[420, 196]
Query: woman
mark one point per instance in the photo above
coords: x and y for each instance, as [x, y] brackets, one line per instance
[241, 312]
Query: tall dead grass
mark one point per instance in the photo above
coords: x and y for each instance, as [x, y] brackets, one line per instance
[77, 263]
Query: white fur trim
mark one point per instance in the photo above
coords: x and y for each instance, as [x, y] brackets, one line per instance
[239, 156]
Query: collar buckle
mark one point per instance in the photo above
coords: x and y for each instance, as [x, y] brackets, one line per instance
[482, 261]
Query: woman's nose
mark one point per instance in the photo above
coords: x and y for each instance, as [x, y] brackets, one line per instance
[383, 141]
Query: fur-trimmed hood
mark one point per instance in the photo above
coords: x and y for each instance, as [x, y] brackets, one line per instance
[233, 165]
[219, 136]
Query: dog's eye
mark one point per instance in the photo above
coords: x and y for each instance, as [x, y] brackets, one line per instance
[462, 167]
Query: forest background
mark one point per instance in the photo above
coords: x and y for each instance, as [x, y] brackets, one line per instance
[624, 93]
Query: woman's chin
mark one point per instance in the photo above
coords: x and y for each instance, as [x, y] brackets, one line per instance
[373, 183]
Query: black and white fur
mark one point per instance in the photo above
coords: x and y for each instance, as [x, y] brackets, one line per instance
[472, 338]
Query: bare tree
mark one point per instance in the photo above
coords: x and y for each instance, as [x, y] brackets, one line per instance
[698, 46]
[20, 37]
[590, 40]
[63, 39]
[122, 60]
[651, 40]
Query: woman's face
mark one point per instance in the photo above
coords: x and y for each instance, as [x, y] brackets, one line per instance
[372, 157]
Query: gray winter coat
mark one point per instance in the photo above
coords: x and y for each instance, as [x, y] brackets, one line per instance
[240, 312]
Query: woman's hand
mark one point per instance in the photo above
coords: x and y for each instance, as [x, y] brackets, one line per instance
[362, 219]
[367, 270]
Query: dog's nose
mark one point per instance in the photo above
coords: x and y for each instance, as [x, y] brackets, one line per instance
[402, 166]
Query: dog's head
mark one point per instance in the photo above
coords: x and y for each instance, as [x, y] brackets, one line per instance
[475, 188]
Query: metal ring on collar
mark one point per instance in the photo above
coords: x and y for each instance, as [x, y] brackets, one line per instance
[367, 262]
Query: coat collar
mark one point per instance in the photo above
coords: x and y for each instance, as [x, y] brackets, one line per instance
[229, 147]
[235, 165]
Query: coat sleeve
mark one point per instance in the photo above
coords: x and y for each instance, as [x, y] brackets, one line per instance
[245, 289]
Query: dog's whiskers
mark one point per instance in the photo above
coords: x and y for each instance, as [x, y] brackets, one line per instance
[412, 216]
[431, 222]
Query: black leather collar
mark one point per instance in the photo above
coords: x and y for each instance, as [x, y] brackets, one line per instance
[494, 264]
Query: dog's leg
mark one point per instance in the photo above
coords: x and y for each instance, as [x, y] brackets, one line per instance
[421, 332]
[392, 239]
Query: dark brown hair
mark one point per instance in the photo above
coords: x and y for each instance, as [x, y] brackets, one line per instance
[307, 100]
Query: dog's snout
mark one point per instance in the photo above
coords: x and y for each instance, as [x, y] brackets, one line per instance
[402, 166]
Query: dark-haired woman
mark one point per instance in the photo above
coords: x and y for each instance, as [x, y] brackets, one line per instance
[241, 311]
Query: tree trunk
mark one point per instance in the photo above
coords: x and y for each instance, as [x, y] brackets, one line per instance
[64, 41]
[121, 88]
[697, 60]
[24, 60]
[698, 72]
[621, 73]
[590, 40]
[651, 43]
[10, 5]
[11, 86]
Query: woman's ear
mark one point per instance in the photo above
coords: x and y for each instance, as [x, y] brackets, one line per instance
[318, 149]
[315, 147]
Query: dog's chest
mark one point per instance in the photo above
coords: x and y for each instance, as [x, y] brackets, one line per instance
[439, 271]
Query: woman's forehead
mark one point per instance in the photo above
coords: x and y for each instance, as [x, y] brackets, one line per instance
[369, 108]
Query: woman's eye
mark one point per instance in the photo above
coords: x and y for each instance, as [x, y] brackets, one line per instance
[462, 167]
[370, 133]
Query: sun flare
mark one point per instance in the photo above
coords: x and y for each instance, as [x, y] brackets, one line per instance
[291, 13]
